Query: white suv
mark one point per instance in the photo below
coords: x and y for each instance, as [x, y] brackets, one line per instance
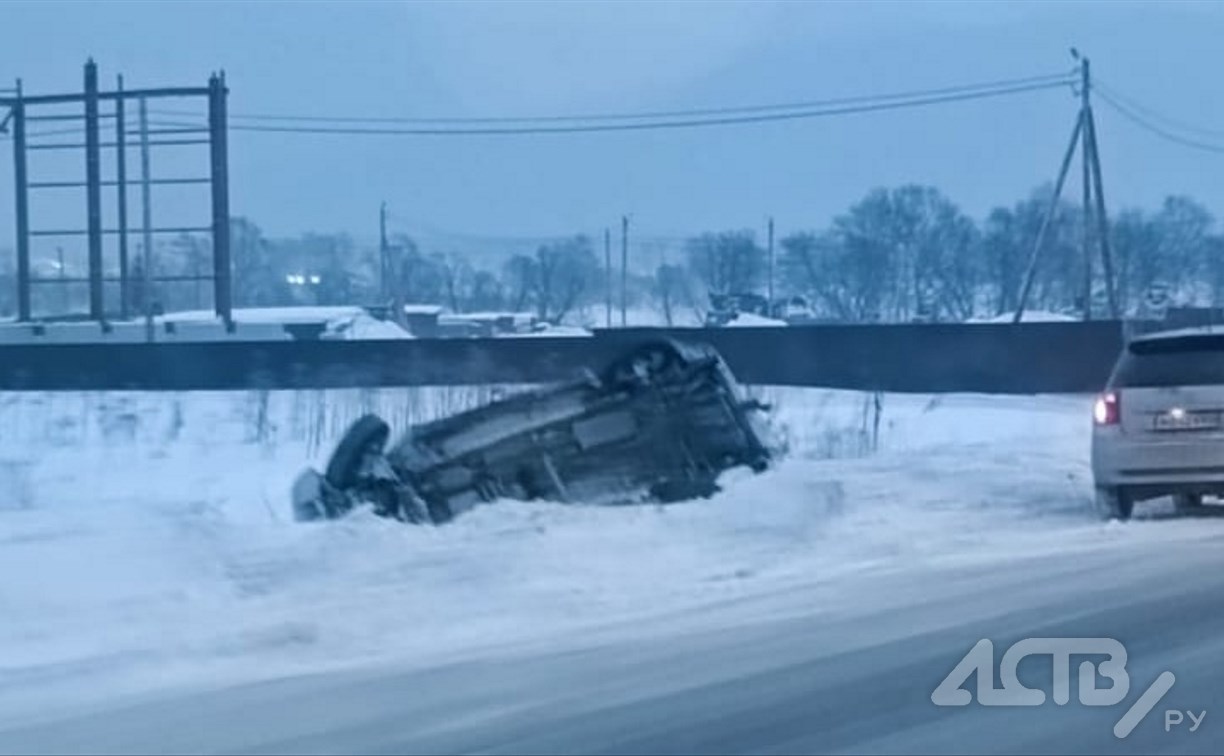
[1158, 429]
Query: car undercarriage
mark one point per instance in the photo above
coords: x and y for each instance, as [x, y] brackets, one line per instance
[658, 424]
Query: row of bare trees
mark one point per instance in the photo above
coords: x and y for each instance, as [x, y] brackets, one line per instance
[910, 253]
[895, 255]
[557, 280]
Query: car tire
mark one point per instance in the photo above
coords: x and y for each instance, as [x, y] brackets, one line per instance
[368, 435]
[1114, 504]
[648, 363]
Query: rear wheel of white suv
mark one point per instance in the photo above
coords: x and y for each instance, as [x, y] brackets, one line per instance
[1114, 503]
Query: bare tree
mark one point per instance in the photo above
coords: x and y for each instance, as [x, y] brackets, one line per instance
[520, 275]
[726, 262]
[672, 288]
[840, 285]
[920, 245]
[1007, 246]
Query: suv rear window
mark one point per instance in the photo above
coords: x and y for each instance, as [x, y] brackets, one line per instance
[1176, 361]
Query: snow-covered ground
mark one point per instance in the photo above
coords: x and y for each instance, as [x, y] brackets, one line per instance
[145, 543]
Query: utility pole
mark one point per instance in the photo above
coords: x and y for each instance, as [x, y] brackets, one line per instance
[608, 274]
[93, 192]
[1086, 154]
[771, 266]
[624, 269]
[1051, 209]
[1102, 220]
[146, 221]
[1094, 192]
[382, 252]
[1094, 204]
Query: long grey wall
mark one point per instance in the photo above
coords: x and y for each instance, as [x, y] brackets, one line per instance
[1004, 358]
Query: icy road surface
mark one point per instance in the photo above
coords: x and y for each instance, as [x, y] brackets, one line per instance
[154, 595]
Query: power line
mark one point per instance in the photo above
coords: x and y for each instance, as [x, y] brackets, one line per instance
[644, 121]
[1157, 129]
[1049, 79]
[425, 232]
[1133, 104]
[646, 125]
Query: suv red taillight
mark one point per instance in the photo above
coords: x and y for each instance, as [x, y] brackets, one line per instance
[1108, 409]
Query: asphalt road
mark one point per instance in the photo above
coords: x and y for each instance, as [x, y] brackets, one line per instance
[778, 673]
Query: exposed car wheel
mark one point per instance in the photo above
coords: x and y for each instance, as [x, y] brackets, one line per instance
[644, 365]
[1114, 504]
[366, 436]
[1188, 504]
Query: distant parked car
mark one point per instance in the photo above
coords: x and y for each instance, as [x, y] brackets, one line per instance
[1159, 425]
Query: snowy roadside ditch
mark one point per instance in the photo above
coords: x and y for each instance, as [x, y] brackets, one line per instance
[145, 540]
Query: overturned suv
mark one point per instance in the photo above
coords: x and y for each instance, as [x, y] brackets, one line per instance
[659, 424]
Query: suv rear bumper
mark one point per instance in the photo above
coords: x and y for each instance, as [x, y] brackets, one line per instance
[1158, 465]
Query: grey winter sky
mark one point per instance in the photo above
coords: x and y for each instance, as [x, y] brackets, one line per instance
[528, 58]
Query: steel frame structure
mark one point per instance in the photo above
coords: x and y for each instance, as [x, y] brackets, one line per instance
[23, 109]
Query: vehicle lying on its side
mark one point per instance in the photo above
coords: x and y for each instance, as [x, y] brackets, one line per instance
[658, 424]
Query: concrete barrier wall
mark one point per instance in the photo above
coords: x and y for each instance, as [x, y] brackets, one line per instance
[996, 358]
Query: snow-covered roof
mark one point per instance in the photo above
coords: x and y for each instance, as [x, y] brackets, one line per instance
[422, 309]
[493, 315]
[340, 321]
[367, 328]
[307, 314]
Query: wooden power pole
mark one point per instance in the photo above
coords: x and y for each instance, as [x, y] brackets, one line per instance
[1086, 154]
[771, 265]
[608, 276]
[1084, 135]
[382, 252]
[1051, 209]
[1098, 190]
[624, 298]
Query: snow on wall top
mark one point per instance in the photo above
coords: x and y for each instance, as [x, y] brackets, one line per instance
[1030, 316]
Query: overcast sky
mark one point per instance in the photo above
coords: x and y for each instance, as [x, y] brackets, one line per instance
[519, 58]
